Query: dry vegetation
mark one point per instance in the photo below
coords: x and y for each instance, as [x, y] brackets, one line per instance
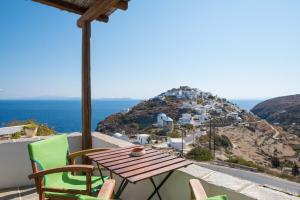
[259, 144]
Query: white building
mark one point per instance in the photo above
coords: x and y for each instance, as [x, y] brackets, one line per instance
[234, 116]
[187, 115]
[190, 94]
[219, 110]
[185, 119]
[209, 107]
[174, 93]
[160, 97]
[179, 94]
[199, 119]
[186, 105]
[176, 143]
[142, 138]
[171, 93]
[121, 136]
[160, 119]
[165, 122]
[125, 110]
[200, 110]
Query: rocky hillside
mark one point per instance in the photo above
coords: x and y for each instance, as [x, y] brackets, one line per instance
[283, 111]
[191, 111]
[173, 103]
[140, 118]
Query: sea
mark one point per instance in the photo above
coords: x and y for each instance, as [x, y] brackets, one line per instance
[64, 116]
[246, 104]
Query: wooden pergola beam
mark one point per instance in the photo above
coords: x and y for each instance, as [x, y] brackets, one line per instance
[103, 18]
[122, 5]
[63, 5]
[97, 9]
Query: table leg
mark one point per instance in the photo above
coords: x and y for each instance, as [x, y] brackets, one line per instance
[153, 183]
[100, 172]
[121, 188]
[160, 185]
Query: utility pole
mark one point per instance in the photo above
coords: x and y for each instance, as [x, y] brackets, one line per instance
[214, 131]
[182, 144]
[209, 142]
[194, 139]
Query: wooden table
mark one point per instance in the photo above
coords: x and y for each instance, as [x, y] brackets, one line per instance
[134, 169]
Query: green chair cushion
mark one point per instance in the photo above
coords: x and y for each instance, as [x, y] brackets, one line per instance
[69, 181]
[50, 153]
[86, 197]
[220, 197]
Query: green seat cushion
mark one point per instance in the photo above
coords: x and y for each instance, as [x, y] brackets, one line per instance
[86, 197]
[69, 181]
[52, 153]
[220, 197]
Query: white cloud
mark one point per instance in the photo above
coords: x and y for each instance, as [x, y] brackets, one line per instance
[1, 90]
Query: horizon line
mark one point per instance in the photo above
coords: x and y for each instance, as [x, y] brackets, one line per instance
[113, 98]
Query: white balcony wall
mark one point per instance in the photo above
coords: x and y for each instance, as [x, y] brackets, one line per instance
[15, 167]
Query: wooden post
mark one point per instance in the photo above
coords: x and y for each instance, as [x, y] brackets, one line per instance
[86, 89]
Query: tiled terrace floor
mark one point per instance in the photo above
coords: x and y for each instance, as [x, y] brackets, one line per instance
[19, 193]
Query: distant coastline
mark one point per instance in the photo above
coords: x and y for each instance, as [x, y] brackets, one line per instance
[65, 99]
[64, 115]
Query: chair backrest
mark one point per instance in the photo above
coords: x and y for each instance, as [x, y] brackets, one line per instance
[197, 191]
[49, 153]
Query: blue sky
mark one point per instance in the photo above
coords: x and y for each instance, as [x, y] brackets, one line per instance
[233, 48]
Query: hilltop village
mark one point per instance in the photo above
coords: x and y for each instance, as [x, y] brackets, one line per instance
[182, 118]
[169, 114]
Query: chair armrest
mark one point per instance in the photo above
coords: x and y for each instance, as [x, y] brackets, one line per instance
[107, 190]
[76, 154]
[68, 168]
[197, 190]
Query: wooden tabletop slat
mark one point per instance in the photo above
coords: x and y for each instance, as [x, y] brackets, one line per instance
[128, 164]
[112, 155]
[109, 152]
[147, 175]
[126, 153]
[130, 159]
[107, 160]
[144, 164]
[151, 168]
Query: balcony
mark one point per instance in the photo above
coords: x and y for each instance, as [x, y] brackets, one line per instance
[15, 166]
